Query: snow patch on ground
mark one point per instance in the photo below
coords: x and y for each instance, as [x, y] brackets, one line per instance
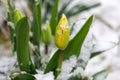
[67, 67]
[41, 76]
[6, 64]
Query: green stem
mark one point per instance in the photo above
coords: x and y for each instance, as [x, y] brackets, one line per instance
[59, 63]
[11, 19]
[46, 49]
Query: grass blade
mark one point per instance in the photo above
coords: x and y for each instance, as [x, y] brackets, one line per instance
[101, 75]
[37, 24]
[94, 54]
[53, 21]
[80, 8]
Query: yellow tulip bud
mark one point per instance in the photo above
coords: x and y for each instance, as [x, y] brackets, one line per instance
[17, 16]
[62, 33]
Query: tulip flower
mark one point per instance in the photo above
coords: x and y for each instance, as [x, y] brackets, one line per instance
[61, 40]
[17, 16]
[62, 33]
[46, 36]
[46, 33]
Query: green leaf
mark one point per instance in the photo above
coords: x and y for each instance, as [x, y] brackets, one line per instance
[53, 21]
[36, 28]
[72, 27]
[38, 17]
[78, 77]
[22, 42]
[48, 9]
[64, 7]
[75, 78]
[104, 22]
[11, 19]
[52, 65]
[80, 8]
[73, 47]
[37, 24]
[31, 5]
[24, 77]
[93, 54]
[101, 75]
[10, 11]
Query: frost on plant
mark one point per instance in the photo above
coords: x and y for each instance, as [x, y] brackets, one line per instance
[41, 41]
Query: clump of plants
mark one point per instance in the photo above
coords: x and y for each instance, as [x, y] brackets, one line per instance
[27, 47]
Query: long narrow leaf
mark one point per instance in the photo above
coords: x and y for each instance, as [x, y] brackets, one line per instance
[80, 8]
[24, 77]
[10, 11]
[38, 18]
[104, 22]
[64, 7]
[37, 25]
[48, 10]
[75, 44]
[94, 54]
[22, 41]
[31, 4]
[101, 75]
[11, 19]
[73, 47]
[53, 21]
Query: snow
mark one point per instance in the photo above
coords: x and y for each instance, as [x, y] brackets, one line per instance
[67, 67]
[6, 65]
[41, 76]
[105, 38]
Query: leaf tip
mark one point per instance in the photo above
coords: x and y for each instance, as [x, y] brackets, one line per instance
[92, 17]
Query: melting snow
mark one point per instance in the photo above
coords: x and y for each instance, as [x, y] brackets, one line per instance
[67, 67]
[41, 76]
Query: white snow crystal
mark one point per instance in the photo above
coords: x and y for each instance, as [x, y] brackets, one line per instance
[48, 76]
[6, 64]
[87, 47]
[77, 71]
[67, 67]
